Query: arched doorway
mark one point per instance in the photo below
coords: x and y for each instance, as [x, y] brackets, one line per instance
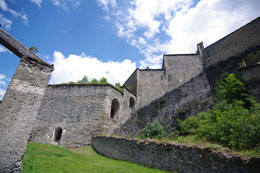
[131, 103]
[57, 135]
[114, 108]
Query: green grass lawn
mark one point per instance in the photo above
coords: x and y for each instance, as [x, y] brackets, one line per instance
[49, 158]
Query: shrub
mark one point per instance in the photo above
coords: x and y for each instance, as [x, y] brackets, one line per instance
[234, 127]
[233, 122]
[152, 130]
[189, 126]
[103, 80]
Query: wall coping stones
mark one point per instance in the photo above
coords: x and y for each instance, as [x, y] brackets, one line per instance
[183, 54]
[88, 85]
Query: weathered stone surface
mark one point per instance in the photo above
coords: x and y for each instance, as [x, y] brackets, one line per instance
[18, 112]
[149, 84]
[173, 157]
[233, 44]
[81, 111]
[185, 100]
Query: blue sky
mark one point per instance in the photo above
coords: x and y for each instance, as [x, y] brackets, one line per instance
[111, 38]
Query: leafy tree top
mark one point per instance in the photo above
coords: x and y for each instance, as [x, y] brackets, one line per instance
[34, 49]
[231, 89]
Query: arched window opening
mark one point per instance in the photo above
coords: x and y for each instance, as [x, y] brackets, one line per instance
[131, 103]
[114, 108]
[58, 133]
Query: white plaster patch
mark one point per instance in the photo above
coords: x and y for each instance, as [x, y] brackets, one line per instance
[26, 87]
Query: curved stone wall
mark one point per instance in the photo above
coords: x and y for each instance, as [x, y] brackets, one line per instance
[173, 157]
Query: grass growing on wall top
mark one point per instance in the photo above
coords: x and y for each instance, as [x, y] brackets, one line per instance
[49, 158]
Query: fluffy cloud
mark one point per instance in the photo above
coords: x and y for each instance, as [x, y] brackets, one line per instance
[2, 93]
[2, 83]
[7, 22]
[2, 77]
[157, 27]
[3, 49]
[66, 4]
[107, 4]
[74, 67]
[37, 2]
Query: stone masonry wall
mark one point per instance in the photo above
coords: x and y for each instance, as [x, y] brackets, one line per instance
[173, 157]
[226, 55]
[81, 111]
[18, 112]
[185, 100]
[233, 44]
[150, 85]
[181, 67]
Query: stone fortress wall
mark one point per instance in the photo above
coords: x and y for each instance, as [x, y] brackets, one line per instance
[185, 100]
[150, 84]
[69, 115]
[225, 55]
[190, 93]
[79, 111]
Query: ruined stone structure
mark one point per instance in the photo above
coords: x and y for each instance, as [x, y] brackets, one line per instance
[20, 105]
[69, 114]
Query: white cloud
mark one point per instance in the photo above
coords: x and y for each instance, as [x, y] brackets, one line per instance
[7, 22]
[3, 5]
[66, 4]
[37, 2]
[2, 93]
[2, 50]
[74, 67]
[2, 78]
[107, 4]
[208, 22]
[156, 27]
[2, 83]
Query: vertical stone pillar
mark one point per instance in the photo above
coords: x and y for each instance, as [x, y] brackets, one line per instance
[19, 109]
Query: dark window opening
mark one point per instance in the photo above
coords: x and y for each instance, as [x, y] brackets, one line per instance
[131, 103]
[114, 108]
[58, 133]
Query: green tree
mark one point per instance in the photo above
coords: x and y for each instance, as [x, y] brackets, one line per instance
[34, 49]
[232, 89]
[118, 84]
[84, 80]
[103, 80]
[94, 81]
